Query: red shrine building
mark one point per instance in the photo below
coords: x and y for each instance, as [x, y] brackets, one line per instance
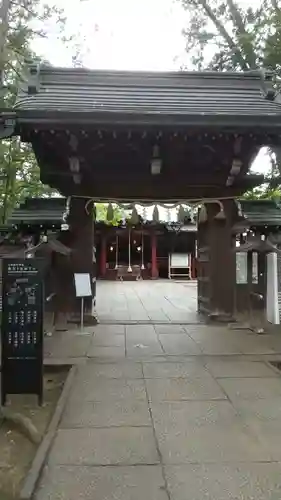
[144, 248]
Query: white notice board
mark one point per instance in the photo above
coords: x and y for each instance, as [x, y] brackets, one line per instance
[241, 268]
[82, 285]
[180, 260]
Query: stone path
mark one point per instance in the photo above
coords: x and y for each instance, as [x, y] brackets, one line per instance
[167, 412]
[143, 301]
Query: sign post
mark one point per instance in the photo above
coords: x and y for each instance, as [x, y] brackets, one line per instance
[82, 313]
[83, 289]
[22, 328]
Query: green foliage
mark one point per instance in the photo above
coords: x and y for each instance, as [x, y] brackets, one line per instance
[224, 35]
[22, 21]
[101, 214]
[263, 192]
[20, 176]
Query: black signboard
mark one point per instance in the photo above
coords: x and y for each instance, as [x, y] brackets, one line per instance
[22, 328]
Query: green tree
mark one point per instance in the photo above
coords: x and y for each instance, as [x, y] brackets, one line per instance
[22, 22]
[102, 214]
[20, 176]
[224, 35]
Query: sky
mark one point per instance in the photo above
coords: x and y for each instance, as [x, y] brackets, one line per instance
[124, 35]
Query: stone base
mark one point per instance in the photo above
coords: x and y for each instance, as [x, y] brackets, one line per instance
[89, 319]
[221, 317]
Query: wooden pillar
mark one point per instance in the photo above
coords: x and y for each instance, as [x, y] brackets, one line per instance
[81, 224]
[203, 268]
[222, 259]
[94, 267]
[192, 268]
[154, 267]
[216, 261]
[193, 260]
[103, 256]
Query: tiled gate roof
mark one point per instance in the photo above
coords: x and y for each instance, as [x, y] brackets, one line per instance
[39, 211]
[179, 96]
[261, 212]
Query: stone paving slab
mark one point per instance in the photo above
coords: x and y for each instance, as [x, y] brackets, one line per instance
[212, 444]
[225, 345]
[144, 338]
[186, 414]
[267, 432]
[263, 416]
[108, 340]
[65, 345]
[265, 410]
[108, 389]
[142, 341]
[183, 424]
[104, 330]
[105, 352]
[233, 369]
[162, 300]
[179, 344]
[123, 369]
[102, 483]
[202, 432]
[256, 345]
[224, 481]
[145, 349]
[251, 388]
[108, 446]
[169, 329]
[180, 389]
[139, 332]
[198, 332]
[172, 369]
[128, 412]
[159, 315]
[139, 315]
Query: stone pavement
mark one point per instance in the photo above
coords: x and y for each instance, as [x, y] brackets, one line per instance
[167, 412]
[143, 301]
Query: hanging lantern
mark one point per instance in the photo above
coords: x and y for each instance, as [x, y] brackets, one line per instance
[155, 216]
[116, 252]
[134, 217]
[129, 253]
[110, 213]
[142, 241]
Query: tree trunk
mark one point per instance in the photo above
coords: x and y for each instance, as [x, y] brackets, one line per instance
[244, 41]
[224, 34]
[4, 26]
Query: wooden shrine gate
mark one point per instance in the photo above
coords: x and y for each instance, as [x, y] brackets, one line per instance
[148, 137]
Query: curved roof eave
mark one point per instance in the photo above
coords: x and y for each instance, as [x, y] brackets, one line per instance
[53, 94]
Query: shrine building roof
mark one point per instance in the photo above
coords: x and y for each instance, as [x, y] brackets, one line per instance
[261, 212]
[39, 211]
[53, 210]
[75, 95]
